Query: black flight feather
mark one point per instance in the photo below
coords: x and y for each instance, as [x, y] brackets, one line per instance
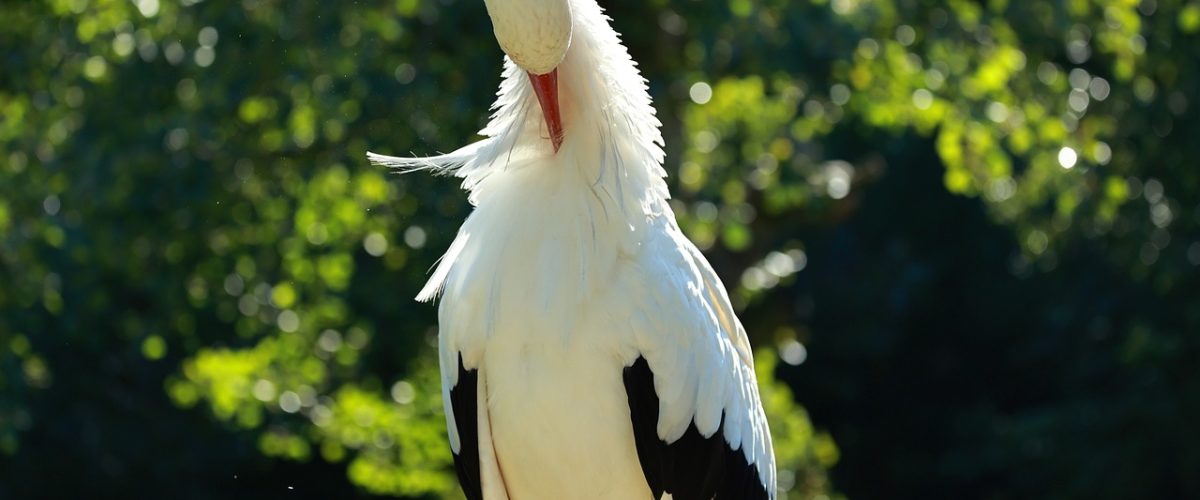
[693, 467]
[463, 404]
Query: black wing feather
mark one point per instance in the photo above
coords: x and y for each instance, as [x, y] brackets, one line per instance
[693, 467]
[463, 403]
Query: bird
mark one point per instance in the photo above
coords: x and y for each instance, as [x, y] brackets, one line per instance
[587, 348]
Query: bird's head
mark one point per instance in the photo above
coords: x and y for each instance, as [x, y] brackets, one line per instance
[536, 34]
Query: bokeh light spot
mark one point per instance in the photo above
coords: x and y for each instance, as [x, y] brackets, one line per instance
[375, 244]
[1067, 157]
[700, 93]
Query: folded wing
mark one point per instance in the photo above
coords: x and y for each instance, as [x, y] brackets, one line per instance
[697, 419]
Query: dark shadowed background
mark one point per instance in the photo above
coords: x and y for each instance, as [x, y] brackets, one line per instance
[963, 235]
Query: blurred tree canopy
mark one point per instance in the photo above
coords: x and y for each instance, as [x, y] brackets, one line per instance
[968, 231]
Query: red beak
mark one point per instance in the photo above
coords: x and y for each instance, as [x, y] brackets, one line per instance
[546, 87]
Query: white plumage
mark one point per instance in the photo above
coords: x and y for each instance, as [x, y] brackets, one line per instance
[570, 269]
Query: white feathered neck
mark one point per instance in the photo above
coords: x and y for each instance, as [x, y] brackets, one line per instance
[568, 213]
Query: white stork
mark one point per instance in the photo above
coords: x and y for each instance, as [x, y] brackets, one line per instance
[588, 350]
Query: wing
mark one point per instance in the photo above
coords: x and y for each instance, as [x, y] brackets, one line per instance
[462, 423]
[693, 398]
[463, 393]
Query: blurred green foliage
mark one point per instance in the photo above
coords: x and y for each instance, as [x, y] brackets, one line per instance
[980, 218]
